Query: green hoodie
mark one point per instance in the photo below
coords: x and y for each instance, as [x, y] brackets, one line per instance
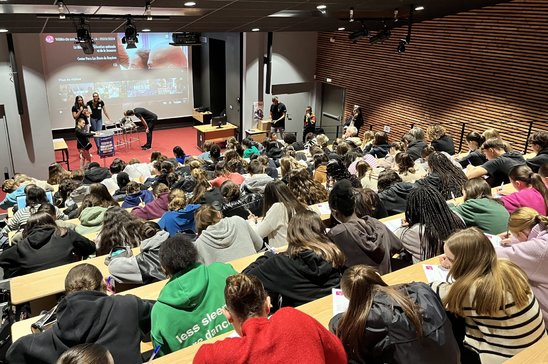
[91, 220]
[189, 308]
[488, 215]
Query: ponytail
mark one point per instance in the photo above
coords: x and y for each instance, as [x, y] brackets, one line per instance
[526, 175]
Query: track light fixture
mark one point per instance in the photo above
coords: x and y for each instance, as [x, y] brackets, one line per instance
[83, 37]
[148, 10]
[405, 41]
[131, 36]
[359, 34]
[351, 15]
[381, 35]
[61, 9]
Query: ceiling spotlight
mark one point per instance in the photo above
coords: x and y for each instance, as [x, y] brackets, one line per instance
[3, 30]
[419, 8]
[83, 37]
[148, 10]
[61, 8]
[341, 28]
[322, 8]
[145, 30]
[190, 3]
[351, 15]
[401, 46]
[131, 36]
[255, 29]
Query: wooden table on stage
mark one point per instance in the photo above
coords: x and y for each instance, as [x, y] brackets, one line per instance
[60, 145]
[214, 134]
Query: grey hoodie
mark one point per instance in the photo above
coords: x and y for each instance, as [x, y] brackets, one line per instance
[229, 239]
[256, 183]
[142, 268]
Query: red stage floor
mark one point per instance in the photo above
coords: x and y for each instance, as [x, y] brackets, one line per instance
[162, 141]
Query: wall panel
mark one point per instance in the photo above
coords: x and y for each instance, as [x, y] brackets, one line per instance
[486, 68]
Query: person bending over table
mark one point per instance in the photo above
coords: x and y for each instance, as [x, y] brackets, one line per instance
[149, 119]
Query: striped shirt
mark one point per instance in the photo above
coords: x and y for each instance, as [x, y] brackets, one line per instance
[502, 335]
[21, 217]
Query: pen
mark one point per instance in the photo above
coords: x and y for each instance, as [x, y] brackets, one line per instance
[268, 247]
[453, 196]
[156, 350]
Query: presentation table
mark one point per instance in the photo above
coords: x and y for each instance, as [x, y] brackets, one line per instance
[214, 134]
[60, 145]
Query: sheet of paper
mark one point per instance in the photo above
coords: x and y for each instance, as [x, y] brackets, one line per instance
[393, 225]
[324, 209]
[340, 302]
[495, 239]
[435, 273]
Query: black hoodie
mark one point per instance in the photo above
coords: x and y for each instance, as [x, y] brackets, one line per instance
[117, 322]
[294, 281]
[96, 175]
[414, 149]
[539, 160]
[44, 248]
[394, 198]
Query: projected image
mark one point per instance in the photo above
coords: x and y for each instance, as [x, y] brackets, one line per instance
[154, 75]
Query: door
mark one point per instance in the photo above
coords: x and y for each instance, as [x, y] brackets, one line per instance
[217, 76]
[332, 110]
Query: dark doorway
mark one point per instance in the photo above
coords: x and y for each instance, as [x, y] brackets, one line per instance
[332, 110]
[217, 76]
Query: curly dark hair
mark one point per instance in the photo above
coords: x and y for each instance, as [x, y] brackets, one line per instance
[177, 254]
[120, 228]
[307, 190]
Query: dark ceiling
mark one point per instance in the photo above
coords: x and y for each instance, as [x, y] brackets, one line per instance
[37, 16]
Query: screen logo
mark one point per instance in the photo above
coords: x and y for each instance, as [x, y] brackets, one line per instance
[50, 39]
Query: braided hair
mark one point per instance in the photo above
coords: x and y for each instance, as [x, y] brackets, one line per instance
[427, 207]
[452, 177]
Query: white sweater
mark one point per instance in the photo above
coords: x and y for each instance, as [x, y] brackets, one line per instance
[274, 225]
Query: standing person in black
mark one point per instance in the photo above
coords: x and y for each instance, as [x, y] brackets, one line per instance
[278, 111]
[82, 141]
[148, 118]
[309, 122]
[97, 107]
[356, 119]
[80, 111]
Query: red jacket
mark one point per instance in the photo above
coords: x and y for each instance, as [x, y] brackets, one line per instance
[289, 336]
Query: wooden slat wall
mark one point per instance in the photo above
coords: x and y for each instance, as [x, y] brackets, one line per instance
[486, 67]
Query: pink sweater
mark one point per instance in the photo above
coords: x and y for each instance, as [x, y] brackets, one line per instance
[532, 257]
[528, 197]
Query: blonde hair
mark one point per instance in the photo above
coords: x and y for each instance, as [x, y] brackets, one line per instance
[493, 133]
[177, 200]
[436, 131]
[368, 136]
[477, 270]
[322, 140]
[287, 164]
[525, 218]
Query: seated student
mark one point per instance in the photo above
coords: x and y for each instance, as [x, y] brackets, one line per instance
[44, 245]
[307, 191]
[203, 192]
[257, 179]
[137, 170]
[429, 221]
[393, 192]
[268, 339]
[406, 168]
[116, 167]
[235, 204]
[443, 176]
[249, 148]
[379, 148]
[362, 240]
[480, 209]
[406, 323]
[539, 143]
[86, 354]
[498, 165]
[271, 169]
[143, 268]
[166, 168]
[135, 196]
[440, 141]
[205, 147]
[157, 207]
[88, 315]
[474, 156]
[336, 170]
[224, 175]
[122, 179]
[308, 270]
[94, 173]
[320, 167]
[34, 197]
[531, 191]
[368, 176]
[119, 229]
[17, 189]
[351, 136]
[501, 315]
[368, 203]
[279, 206]
[189, 307]
[527, 247]
[415, 147]
[180, 216]
[224, 239]
[180, 154]
[56, 173]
